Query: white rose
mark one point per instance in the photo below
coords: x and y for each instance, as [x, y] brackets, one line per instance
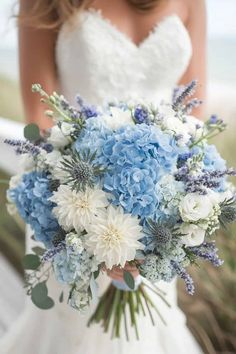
[194, 235]
[194, 126]
[118, 118]
[57, 138]
[194, 207]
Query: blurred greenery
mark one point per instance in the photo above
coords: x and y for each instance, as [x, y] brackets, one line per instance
[10, 100]
[211, 312]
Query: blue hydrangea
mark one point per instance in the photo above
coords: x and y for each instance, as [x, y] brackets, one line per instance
[31, 197]
[70, 267]
[136, 157]
[212, 159]
[93, 137]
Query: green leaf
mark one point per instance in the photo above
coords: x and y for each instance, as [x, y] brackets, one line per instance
[129, 279]
[39, 292]
[32, 132]
[96, 274]
[38, 250]
[40, 298]
[31, 261]
[61, 297]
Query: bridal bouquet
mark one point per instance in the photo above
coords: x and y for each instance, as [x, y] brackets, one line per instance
[128, 183]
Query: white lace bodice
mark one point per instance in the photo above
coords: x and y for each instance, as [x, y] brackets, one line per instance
[99, 62]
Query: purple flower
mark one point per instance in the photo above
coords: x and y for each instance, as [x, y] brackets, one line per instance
[141, 115]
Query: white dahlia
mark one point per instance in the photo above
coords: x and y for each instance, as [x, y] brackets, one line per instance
[113, 237]
[76, 210]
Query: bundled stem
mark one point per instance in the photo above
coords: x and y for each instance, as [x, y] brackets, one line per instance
[116, 306]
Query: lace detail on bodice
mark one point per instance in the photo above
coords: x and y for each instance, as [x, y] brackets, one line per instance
[99, 62]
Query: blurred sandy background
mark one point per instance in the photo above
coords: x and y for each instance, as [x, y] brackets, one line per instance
[212, 311]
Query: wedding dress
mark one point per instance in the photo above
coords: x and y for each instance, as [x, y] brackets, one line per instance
[99, 62]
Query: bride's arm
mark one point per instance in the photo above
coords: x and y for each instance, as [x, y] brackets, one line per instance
[196, 25]
[37, 65]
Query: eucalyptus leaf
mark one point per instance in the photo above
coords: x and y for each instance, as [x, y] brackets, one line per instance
[40, 298]
[31, 261]
[39, 251]
[39, 292]
[129, 279]
[32, 132]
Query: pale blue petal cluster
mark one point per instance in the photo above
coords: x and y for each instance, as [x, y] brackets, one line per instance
[158, 267]
[136, 158]
[71, 267]
[31, 197]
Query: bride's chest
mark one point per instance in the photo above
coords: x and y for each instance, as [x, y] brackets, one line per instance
[95, 51]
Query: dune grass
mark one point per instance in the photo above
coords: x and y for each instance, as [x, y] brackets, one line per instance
[10, 100]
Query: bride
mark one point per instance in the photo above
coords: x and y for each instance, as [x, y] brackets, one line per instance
[106, 49]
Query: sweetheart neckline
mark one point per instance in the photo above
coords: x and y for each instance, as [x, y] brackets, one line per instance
[154, 30]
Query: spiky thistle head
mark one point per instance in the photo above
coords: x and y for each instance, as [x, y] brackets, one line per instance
[157, 236]
[81, 169]
[228, 212]
[59, 238]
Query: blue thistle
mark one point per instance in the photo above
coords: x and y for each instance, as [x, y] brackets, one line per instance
[81, 170]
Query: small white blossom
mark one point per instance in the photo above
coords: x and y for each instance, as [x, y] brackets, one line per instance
[118, 118]
[27, 162]
[174, 125]
[14, 181]
[80, 300]
[57, 138]
[67, 128]
[74, 241]
[194, 127]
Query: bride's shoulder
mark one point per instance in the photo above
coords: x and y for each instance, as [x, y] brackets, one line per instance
[196, 7]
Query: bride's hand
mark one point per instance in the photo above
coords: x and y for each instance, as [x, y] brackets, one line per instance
[117, 273]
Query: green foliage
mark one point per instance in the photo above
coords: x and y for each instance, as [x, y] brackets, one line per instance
[39, 251]
[129, 279]
[32, 132]
[39, 296]
[31, 262]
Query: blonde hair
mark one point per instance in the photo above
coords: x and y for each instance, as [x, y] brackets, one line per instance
[53, 13]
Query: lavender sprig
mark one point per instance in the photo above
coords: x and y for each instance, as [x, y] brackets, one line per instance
[199, 184]
[23, 147]
[207, 251]
[180, 96]
[194, 103]
[50, 254]
[183, 274]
